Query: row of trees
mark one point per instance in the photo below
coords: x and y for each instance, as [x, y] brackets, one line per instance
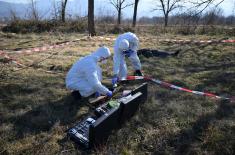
[167, 7]
[33, 12]
[212, 17]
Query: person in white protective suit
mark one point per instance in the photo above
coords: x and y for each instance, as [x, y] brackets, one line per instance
[126, 45]
[85, 75]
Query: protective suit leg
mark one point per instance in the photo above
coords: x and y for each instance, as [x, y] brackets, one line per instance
[83, 87]
[135, 61]
[123, 70]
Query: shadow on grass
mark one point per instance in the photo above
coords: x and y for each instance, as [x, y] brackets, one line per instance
[43, 118]
[209, 67]
[227, 80]
[183, 143]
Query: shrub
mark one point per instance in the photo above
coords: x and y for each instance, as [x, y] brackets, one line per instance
[116, 29]
[28, 26]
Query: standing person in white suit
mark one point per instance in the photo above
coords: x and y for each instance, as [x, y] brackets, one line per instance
[126, 45]
[85, 75]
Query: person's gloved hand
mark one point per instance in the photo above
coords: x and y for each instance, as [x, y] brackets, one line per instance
[114, 80]
[97, 94]
[128, 52]
[109, 94]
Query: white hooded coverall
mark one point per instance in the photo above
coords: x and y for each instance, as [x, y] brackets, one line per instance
[85, 75]
[119, 63]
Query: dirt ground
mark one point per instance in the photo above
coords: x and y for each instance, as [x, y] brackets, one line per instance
[36, 109]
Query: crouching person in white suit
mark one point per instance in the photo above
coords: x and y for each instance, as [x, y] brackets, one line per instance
[126, 45]
[85, 75]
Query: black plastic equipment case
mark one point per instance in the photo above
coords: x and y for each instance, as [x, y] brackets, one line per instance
[95, 129]
[89, 133]
[143, 88]
[129, 105]
[101, 129]
[80, 132]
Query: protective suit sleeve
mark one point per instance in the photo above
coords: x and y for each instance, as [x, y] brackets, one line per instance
[92, 77]
[116, 62]
[134, 43]
[135, 47]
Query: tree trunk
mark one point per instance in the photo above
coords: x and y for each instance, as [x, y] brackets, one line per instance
[119, 15]
[135, 13]
[63, 10]
[63, 15]
[166, 20]
[91, 23]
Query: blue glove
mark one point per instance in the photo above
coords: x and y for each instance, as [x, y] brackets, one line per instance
[128, 52]
[114, 80]
[97, 94]
[109, 94]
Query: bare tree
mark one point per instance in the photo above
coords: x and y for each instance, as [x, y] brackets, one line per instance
[167, 6]
[135, 13]
[33, 14]
[91, 23]
[55, 10]
[119, 6]
[203, 4]
[198, 7]
[213, 17]
[233, 14]
[105, 16]
[206, 2]
[63, 7]
[188, 18]
[13, 16]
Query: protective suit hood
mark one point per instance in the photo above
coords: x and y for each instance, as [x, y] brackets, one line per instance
[102, 52]
[124, 45]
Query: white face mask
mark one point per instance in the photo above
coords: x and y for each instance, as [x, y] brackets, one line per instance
[103, 60]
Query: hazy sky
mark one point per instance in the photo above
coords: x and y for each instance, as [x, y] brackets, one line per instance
[145, 6]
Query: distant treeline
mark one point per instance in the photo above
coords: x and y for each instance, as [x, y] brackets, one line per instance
[103, 27]
[212, 22]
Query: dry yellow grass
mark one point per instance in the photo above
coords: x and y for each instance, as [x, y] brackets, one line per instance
[36, 109]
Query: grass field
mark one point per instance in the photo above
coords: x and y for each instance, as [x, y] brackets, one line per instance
[36, 109]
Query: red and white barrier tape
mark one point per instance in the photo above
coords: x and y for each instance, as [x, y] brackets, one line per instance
[41, 49]
[33, 50]
[106, 38]
[165, 84]
[56, 45]
[11, 59]
[197, 41]
[59, 45]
